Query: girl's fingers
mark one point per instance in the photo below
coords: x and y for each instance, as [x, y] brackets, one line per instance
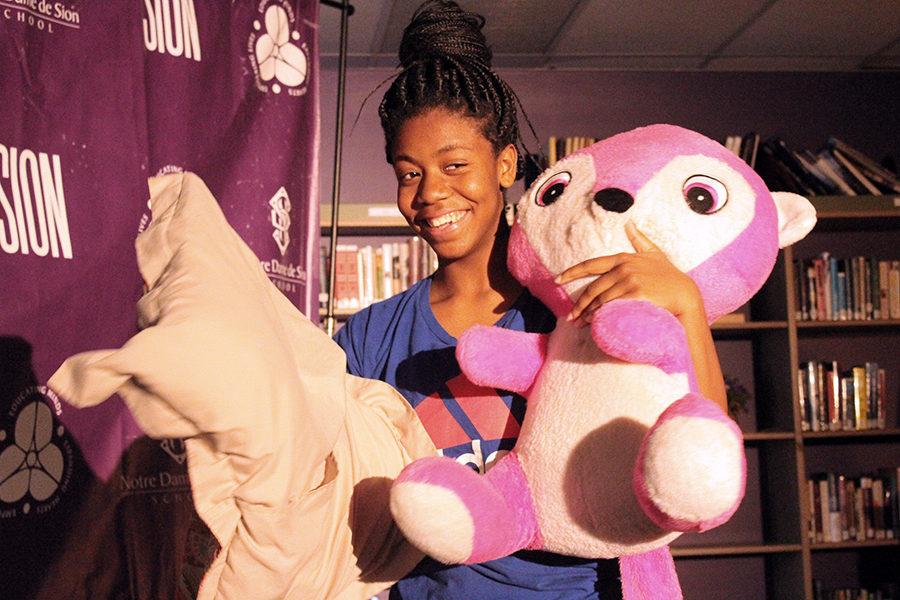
[603, 264]
[589, 300]
[592, 267]
[640, 241]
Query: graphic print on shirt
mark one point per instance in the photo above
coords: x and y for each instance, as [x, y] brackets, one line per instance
[473, 424]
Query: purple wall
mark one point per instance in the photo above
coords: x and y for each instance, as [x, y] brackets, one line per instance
[862, 109]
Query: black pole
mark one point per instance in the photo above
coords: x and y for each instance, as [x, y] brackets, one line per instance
[346, 11]
[343, 6]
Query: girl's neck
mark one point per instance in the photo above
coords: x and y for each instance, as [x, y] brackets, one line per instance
[475, 290]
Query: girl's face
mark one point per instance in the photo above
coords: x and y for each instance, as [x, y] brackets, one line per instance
[450, 182]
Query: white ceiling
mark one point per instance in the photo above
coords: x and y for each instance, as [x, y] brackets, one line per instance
[671, 35]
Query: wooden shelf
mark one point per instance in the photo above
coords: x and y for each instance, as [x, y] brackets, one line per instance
[736, 550]
[853, 545]
[856, 434]
[849, 213]
[768, 436]
[853, 207]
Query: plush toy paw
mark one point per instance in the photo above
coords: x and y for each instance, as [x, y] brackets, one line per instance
[691, 470]
[455, 515]
[638, 331]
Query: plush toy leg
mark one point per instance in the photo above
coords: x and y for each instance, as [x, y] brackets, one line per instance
[691, 469]
[455, 515]
[649, 576]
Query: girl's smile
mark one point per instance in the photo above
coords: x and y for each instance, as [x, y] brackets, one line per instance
[450, 182]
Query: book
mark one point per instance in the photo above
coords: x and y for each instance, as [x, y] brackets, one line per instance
[346, 278]
[860, 397]
[812, 388]
[832, 387]
[831, 171]
[876, 173]
[815, 510]
[803, 399]
[856, 173]
[848, 413]
[776, 175]
[749, 148]
[833, 533]
[894, 289]
[809, 163]
[790, 159]
[843, 174]
[891, 501]
[878, 508]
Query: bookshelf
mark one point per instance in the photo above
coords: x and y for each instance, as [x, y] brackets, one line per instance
[375, 232]
[766, 550]
[772, 544]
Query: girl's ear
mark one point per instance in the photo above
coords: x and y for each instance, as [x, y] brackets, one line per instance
[507, 161]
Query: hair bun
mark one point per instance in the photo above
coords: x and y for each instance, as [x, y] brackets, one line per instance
[441, 29]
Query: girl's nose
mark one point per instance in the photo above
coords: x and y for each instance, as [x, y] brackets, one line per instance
[432, 188]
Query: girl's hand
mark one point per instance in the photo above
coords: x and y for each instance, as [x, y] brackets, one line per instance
[645, 274]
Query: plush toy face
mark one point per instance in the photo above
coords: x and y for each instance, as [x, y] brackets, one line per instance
[699, 203]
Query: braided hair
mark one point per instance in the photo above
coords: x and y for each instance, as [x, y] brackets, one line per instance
[446, 63]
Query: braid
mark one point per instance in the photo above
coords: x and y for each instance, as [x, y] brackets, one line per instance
[446, 63]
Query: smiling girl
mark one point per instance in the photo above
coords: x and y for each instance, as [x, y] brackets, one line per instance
[451, 134]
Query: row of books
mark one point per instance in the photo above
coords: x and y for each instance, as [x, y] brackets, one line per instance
[560, 147]
[857, 509]
[365, 273]
[887, 591]
[836, 399]
[835, 169]
[840, 289]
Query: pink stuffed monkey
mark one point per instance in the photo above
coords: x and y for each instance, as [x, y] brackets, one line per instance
[618, 452]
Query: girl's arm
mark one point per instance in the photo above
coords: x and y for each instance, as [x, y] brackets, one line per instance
[647, 274]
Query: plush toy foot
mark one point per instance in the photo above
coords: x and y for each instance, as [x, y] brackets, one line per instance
[455, 515]
[691, 470]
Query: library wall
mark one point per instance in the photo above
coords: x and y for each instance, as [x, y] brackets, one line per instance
[802, 108]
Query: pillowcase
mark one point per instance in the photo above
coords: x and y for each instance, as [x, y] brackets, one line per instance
[289, 457]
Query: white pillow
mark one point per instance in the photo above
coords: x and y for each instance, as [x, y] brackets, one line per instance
[283, 447]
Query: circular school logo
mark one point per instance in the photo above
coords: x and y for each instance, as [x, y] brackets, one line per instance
[280, 59]
[35, 455]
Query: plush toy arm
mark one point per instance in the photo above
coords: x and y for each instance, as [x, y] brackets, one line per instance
[641, 332]
[501, 358]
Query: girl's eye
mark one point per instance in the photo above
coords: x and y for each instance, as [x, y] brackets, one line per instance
[704, 195]
[552, 189]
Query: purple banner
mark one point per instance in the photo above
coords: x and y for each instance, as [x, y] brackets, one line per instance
[96, 97]
[253, 136]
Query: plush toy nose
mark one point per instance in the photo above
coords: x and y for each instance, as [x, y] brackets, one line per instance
[614, 200]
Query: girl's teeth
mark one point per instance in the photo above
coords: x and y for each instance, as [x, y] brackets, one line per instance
[444, 219]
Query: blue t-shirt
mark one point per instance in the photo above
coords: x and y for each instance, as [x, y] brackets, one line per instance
[401, 342]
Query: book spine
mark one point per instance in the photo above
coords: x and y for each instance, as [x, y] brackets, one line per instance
[860, 397]
[894, 289]
[856, 173]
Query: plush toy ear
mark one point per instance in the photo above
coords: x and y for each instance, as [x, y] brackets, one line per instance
[796, 217]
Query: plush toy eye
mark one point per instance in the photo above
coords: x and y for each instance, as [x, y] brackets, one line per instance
[704, 195]
[552, 189]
